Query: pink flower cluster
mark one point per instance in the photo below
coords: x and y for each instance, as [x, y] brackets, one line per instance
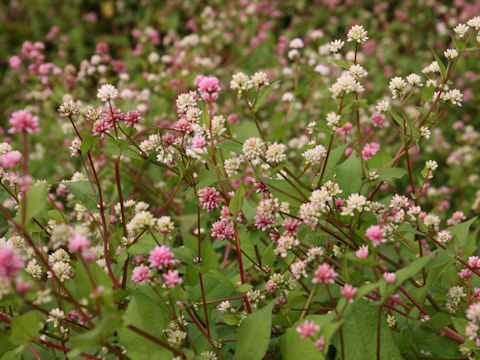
[325, 274]
[23, 120]
[209, 198]
[161, 256]
[10, 262]
[10, 159]
[376, 234]
[79, 243]
[369, 150]
[140, 273]
[208, 86]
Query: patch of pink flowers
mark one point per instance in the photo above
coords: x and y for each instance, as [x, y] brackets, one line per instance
[307, 329]
[10, 159]
[10, 262]
[23, 120]
[209, 198]
[325, 274]
[161, 256]
[369, 150]
[140, 273]
[349, 292]
[172, 278]
[79, 243]
[376, 234]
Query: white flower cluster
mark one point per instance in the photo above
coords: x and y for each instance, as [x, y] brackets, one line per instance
[346, 83]
[107, 92]
[314, 156]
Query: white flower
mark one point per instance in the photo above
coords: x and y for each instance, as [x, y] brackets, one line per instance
[5, 147]
[425, 132]
[314, 156]
[431, 165]
[333, 120]
[293, 54]
[55, 316]
[354, 202]
[276, 153]
[474, 22]
[461, 30]
[336, 45]
[253, 148]
[107, 92]
[450, 53]
[414, 80]
[346, 83]
[357, 33]
[260, 79]
[432, 68]
[296, 43]
[444, 236]
[75, 146]
[382, 106]
[454, 96]
[357, 71]
[241, 82]
[396, 86]
[288, 97]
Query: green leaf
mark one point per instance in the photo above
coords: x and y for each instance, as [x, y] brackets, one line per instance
[230, 145]
[25, 327]
[82, 190]
[360, 334]
[460, 233]
[292, 344]
[342, 63]
[392, 173]
[262, 96]
[36, 202]
[253, 336]
[149, 315]
[440, 63]
[459, 45]
[237, 201]
[412, 269]
[105, 328]
[88, 143]
[349, 175]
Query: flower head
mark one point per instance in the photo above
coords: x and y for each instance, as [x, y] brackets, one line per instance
[23, 120]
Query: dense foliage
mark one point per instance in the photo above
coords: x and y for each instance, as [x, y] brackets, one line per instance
[239, 180]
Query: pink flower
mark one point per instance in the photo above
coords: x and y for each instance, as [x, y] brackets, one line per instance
[79, 243]
[223, 230]
[348, 291]
[209, 198]
[474, 262]
[10, 159]
[23, 120]
[15, 62]
[376, 234]
[320, 343]
[324, 274]
[389, 277]
[291, 226]
[362, 252]
[198, 142]
[133, 117]
[369, 150]
[378, 120]
[161, 256]
[10, 262]
[140, 273]
[172, 278]
[307, 329]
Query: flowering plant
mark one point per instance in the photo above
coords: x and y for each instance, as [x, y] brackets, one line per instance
[158, 204]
